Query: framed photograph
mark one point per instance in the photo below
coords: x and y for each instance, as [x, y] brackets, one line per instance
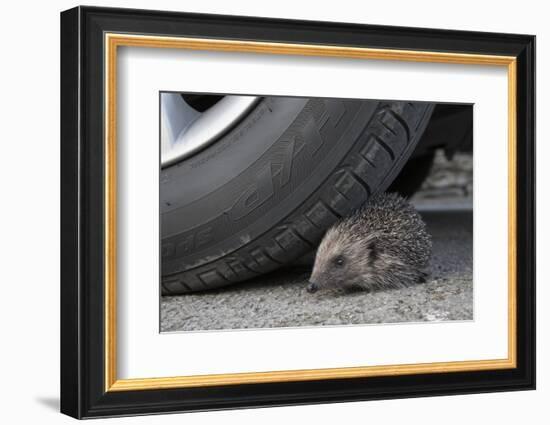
[261, 212]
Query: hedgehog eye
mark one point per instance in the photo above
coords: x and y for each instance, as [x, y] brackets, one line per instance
[339, 261]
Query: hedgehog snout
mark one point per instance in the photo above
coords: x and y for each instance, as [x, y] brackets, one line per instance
[312, 287]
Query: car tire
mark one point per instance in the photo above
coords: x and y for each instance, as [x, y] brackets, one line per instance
[265, 193]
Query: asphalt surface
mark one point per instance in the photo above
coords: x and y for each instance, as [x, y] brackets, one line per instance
[280, 299]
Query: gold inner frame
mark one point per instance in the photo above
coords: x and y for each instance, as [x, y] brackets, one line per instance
[113, 41]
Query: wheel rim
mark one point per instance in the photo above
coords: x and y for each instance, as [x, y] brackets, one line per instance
[186, 131]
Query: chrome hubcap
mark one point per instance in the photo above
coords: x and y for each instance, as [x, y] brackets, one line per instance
[186, 131]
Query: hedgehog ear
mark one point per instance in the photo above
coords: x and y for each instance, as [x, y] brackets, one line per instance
[373, 251]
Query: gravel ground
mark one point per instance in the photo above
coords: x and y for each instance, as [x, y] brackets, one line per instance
[280, 299]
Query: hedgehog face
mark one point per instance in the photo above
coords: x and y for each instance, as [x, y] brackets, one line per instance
[342, 264]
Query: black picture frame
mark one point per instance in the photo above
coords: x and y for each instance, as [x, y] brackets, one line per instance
[83, 392]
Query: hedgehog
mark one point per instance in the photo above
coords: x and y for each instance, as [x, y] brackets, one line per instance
[382, 245]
